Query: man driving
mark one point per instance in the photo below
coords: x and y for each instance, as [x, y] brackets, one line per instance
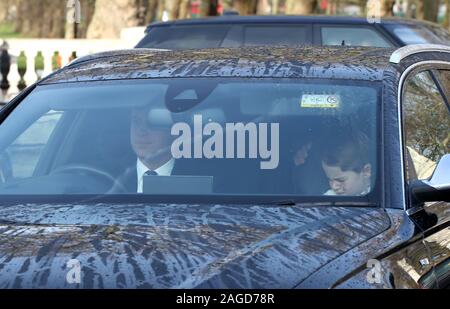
[151, 142]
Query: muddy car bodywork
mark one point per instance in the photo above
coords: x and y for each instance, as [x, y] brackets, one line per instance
[182, 246]
[157, 245]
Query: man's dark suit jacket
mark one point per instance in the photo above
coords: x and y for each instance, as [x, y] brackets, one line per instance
[127, 182]
[231, 178]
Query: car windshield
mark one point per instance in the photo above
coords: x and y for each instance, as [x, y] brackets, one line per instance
[412, 34]
[268, 138]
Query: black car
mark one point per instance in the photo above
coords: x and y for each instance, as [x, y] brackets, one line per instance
[230, 168]
[239, 31]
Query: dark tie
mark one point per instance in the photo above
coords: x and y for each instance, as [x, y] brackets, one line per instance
[151, 173]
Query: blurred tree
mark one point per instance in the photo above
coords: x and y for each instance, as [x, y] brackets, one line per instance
[423, 9]
[383, 7]
[175, 9]
[46, 18]
[183, 11]
[245, 7]
[387, 8]
[149, 11]
[303, 7]
[263, 7]
[160, 7]
[80, 30]
[428, 10]
[209, 7]
[5, 9]
[97, 22]
[146, 11]
[134, 13]
[362, 5]
[411, 9]
[331, 7]
[275, 6]
[32, 13]
[111, 16]
[172, 7]
[447, 14]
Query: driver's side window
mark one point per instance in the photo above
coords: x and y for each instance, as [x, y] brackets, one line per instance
[19, 160]
[426, 125]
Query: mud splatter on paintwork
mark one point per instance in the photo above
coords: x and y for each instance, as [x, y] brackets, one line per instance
[350, 270]
[177, 246]
[315, 62]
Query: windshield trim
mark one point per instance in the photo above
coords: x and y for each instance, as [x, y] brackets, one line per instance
[238, 199]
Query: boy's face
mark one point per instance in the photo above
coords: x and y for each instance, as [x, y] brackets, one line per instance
[348, 183]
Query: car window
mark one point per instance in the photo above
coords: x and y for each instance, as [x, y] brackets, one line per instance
[235, 137]
[410, 34]
[352, 36]
[440, 32]
[426, 126]
[275, 35]
[185, 37]
[24, 153]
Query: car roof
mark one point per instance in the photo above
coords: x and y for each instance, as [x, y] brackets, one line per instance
[255, 19]
[360, 63]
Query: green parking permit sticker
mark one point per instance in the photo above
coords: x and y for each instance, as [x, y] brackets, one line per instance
[320, 101]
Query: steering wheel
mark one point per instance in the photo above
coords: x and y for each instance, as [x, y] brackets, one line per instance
[90, 170]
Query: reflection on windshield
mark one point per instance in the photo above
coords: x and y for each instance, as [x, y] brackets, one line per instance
[230, 137]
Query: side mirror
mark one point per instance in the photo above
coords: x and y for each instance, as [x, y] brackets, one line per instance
[437, 188]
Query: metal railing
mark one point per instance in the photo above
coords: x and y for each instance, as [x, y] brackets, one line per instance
[24, 61]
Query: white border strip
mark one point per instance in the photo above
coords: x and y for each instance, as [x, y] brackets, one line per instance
[409, 50]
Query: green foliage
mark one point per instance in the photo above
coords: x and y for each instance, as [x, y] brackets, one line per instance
[7, 31]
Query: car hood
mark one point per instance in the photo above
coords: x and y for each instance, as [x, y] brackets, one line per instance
[176, 246]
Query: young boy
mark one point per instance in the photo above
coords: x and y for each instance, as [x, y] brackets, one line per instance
[347, 166]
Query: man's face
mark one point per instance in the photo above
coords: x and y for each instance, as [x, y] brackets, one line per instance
[148, 142]
[347, 183]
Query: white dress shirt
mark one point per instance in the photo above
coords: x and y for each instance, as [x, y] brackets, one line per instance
[164, 170]
[365, 192]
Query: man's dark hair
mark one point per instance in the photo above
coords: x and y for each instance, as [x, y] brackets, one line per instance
[349, 152]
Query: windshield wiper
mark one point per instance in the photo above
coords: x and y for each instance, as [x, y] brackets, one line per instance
[284, 203]
[290, 202]
[8, 222]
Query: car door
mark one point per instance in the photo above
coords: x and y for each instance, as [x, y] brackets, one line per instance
[426, 137]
